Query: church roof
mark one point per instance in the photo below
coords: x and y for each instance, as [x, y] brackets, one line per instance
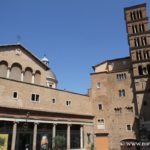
[111, 60]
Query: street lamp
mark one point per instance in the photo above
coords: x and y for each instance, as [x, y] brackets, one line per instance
[25, 125]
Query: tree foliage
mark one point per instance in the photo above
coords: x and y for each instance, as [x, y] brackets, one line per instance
[60, 142]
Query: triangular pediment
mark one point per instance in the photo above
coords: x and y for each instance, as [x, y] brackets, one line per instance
[18, 48]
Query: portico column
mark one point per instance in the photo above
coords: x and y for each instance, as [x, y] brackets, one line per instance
[53, 135]
[14, 136]
[81, 137]
[68, 137]
[8, 72]
[34, 136]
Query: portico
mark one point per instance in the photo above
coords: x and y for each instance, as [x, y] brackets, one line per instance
[30, 133]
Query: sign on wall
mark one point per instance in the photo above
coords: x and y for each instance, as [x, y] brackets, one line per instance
[3, 141]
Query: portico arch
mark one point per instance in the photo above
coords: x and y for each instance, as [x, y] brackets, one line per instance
[3, 68]
[15, 72]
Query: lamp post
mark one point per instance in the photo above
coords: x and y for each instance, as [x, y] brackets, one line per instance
[27, 116]
[25, 125]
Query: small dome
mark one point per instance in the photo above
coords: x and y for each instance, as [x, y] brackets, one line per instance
[44, 59]
[51, 75]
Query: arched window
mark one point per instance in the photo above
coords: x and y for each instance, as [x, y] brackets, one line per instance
[134, 16]
[136, 42]
[122, 77]
[147, 54]
[143, 28]
[98, 85]
[133, 29]
[140, 28]
[137, 55]
[28, 75]
[125, 76]
[144, 70]
[136, 29]
[15, 72]
[123, 92]
[120, 93]
[144, 54]
[37, 78]
[144, 41]
[117, 76]
[140, 14]
[131, 16]
[140, 70]
[148, 69]
[140, 55]
[3, 69]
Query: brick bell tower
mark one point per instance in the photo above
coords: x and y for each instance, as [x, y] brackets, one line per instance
[139, 45]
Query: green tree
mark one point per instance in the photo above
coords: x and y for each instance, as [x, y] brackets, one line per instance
[60, 143]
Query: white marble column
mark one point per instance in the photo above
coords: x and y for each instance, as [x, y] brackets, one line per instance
[22, 75]
[14, 133]
[81, 137]
[68, 136]
[8, 72]
[33, 76]
[53, 135]
[34, 136]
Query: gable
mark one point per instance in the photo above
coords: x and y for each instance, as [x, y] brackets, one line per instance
[101, 67]
[18, 54]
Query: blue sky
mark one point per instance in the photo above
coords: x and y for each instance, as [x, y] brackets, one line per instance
[74, 34]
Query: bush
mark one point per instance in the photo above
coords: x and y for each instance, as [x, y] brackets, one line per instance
[92, 146]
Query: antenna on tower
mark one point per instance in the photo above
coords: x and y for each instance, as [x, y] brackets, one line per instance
[18, 39]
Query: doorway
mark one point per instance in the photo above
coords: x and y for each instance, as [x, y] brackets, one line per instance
[24, 141]
[102, 142]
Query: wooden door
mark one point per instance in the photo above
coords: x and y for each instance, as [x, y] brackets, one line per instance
[102, 143]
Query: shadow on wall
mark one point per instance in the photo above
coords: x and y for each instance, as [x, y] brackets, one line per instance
[141, 96]
[144, 110]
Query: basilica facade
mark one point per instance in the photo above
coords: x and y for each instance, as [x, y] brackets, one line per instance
[114, 112]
